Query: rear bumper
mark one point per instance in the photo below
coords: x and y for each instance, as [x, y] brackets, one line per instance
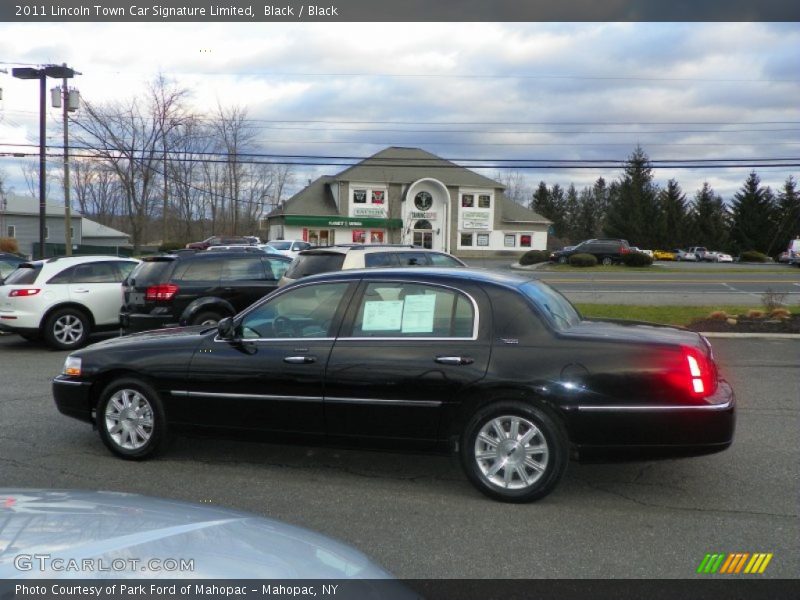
[134, 323]
[73, 398]
[657, 430]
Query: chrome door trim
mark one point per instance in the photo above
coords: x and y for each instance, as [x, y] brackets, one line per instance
[383, 402]
[655, 408]
[188, 394]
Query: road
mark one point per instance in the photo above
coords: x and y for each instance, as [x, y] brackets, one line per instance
[693, 284]
[418, 516]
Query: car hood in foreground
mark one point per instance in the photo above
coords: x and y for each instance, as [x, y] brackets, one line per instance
[178, 334]
[108, 528]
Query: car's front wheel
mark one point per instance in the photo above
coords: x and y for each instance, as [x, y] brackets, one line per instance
[514, 452]
[131, 420]
[66, 329]
[607, 260]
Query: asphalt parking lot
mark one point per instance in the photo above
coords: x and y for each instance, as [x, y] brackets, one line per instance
[420, 518]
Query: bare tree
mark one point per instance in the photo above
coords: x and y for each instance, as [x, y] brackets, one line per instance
[130, 139]
[517, 187]
[30, 172]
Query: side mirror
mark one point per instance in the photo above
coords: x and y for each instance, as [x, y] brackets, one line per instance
[225, 329]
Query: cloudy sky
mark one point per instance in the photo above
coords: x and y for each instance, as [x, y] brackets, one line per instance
[486, 92]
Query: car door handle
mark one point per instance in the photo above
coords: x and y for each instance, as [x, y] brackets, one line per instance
[300, 360]
[81, 291]
[454, 360]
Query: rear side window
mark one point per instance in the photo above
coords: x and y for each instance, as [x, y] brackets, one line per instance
[443, 260]
[25, 274]
[199, 270]
[311, 264]
[151, 272]
[413, 259]
[241, 269]
[381, 259]
[276, 268]
[98, 272]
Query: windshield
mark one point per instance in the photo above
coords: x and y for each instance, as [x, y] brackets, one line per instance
[281, 245]
[151, 272]
[553, 305]
[311, 264]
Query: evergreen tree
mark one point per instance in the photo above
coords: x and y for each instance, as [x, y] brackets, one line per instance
[633, 205]
[600, 196]
[540, 201]
[674, 227]
[571, 209]
[752, 210]
[586, 224]
[787, 216]
[710, 219]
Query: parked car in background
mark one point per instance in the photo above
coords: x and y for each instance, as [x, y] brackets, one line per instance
[663, 255]
[217, 240]
[63, 300]
[606, 251]
[784, 257]
[9, 262]
[494, 366]
[197, 289]
[259, 248]
[289, 247]
[685, 255]
[639, 250]
[699, 252]
[717, 256]
[359, 256]
[794, 252]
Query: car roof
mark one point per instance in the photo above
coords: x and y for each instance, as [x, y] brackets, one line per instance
[214, 255]
[431, 274]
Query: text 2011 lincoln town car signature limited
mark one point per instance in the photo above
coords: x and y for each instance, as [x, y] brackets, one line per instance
[497, 367]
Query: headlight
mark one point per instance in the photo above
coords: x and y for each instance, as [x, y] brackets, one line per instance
[72, 366]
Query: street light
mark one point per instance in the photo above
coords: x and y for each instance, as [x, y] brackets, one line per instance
[61, 72]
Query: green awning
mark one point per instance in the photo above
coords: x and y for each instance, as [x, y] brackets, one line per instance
[328, 221]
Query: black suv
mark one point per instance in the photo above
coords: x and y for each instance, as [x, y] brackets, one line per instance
[606, 251]
[196, 289]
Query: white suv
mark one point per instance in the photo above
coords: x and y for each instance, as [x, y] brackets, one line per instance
[338, 258]
[64, 299]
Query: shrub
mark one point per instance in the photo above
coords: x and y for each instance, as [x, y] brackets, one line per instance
[9, 245]
[772, 299]
[169, 246]
[718, 315]
[637, 259]
[780, 313]
[753, 256]
[532, 257]
[754, 313]
[583, 260]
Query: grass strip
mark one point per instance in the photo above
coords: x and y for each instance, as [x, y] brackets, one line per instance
[668, 315]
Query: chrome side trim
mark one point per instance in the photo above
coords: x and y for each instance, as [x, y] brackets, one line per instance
[296, 340]
[383, 402]
[66, 382]
[187, 394]
[655, 408]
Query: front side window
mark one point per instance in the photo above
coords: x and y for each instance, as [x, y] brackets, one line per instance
[304, 312]
[444, 260]
[243, 269]
[411, 310]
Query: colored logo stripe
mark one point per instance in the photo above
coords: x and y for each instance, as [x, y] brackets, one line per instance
[734, 563]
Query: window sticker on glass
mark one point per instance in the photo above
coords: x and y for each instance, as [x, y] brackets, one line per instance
[418, 313]
[382, 315]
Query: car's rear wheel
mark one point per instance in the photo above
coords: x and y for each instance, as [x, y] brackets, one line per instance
[514, 452]
[207, 317]
[607, 260]
[562, 260]
[131, 419]
[66, 329]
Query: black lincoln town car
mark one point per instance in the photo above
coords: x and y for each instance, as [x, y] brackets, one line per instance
[498, 368]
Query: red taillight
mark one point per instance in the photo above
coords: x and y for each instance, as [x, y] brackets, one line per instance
[624, 250]
[701, 373]
[23, 292]
[161, 292]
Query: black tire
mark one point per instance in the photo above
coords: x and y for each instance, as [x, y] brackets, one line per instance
[206, 317]
[67, 329]
[134, 407]
[547, 447]
[562, 260]
[607, 260]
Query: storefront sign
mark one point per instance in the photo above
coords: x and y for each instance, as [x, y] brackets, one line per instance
[473, 219]
[429, 215]
[365, 211]
[332, 221]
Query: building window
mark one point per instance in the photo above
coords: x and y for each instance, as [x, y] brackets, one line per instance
[466, 239]
[510, 240]
[467, 200]
[378, 196]
[11, 231]
[359, 236]
[483, 239]
[319, 237]
[484, 201]
[525, 241]
[359, 196]
[376, 237]
[423, 201]
[72, 233]
[47, 233]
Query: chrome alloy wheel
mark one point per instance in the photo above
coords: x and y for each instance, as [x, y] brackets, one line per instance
[511, 452]
[68, 329]
[129, 419]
